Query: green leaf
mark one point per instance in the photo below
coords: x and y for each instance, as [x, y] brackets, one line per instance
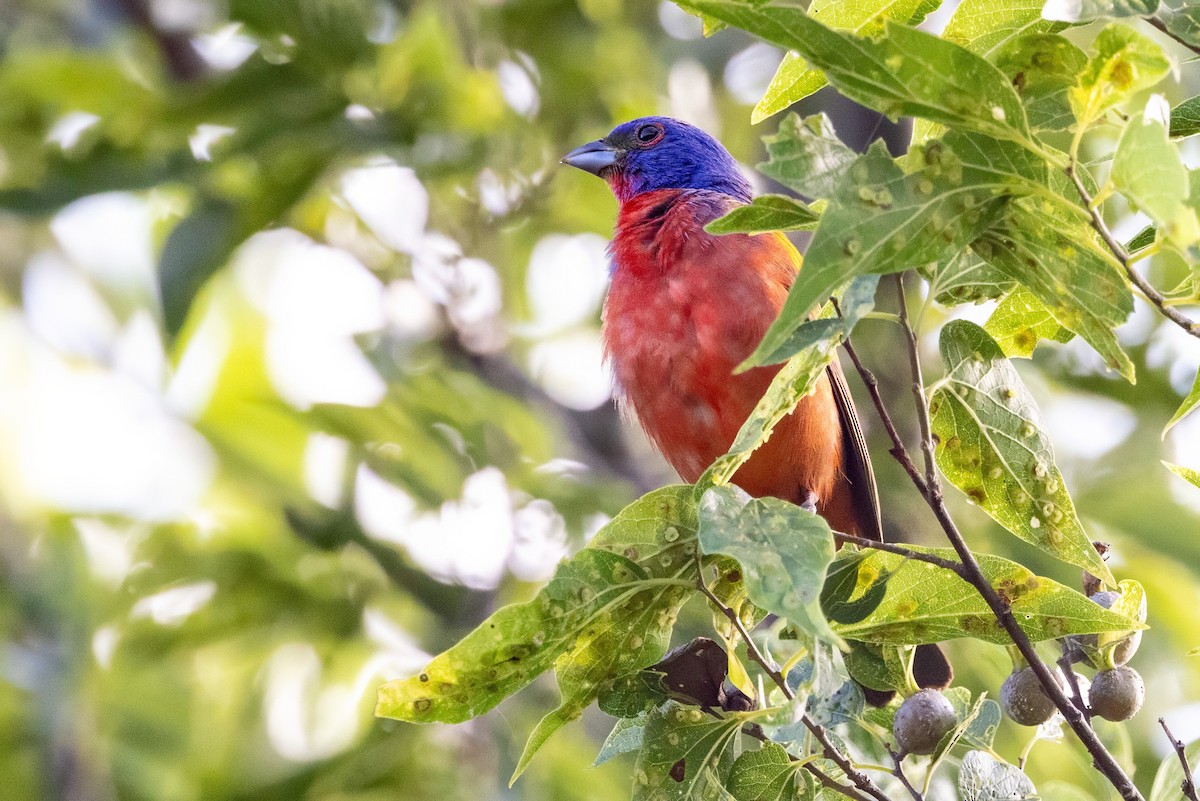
[806, 156]
[1183, 22]
[1187, 407]
[627, 735]
[686, 753]
[1043, 68]
[856, 301]
[1057, 262]
[793, 382]
[984, 26]
[794, 80]
[882, 220]
[1185, 118]
[1186, 473]
[1148, 170]
[1124, 63]
[784, 552]
[904, 73]
[1168, 781]
[1131, 604]
[1020, 322]
[764, 774]
[981, 731]
[924, 603]
[981, 777]
[965, 278]
[876, 666]
[965, 713]
[766, 213]
[991, 444]
[1089, 10]
[1142, 239]
[607, 612]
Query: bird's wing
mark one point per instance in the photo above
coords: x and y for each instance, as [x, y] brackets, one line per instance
[856, 459]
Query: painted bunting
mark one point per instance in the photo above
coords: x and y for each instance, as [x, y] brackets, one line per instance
[685, 307]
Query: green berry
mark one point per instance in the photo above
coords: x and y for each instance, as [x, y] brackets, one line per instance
[1024, 699]
[922, 721]
[1116, 694]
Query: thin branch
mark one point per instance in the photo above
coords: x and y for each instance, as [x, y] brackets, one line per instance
[1068, 671]
[898, 772]
[1189, 781]
[1101, 758]
[1118, 250]
[898, 450]
[860, 780]
[918, 390]
[1158, 23]
[946, 564]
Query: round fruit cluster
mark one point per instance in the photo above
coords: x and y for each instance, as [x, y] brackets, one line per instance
[1115, 693]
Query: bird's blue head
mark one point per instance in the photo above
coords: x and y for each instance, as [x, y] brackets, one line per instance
[660, 153]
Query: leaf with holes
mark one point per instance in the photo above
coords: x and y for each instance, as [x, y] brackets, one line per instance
[984, 778]
[1043, 68]
[809, 350]
[905, 72]
[784, 552]
[806, 156]
[1124, 63]
[1057, 261]
[1020, 322]
[607, 612]
[992, 445]
[767, 774]
[883, 220]
[686, 753]
[923, 603]
[965, 278]
[985, 26]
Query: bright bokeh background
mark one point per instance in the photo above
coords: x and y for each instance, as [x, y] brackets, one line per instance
[300, 377]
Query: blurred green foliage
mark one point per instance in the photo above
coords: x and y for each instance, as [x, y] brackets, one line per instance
[225, 641]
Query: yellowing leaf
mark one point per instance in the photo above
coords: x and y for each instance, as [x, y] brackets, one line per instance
[795, 80]
[913, 602]
[607, 612]
[1020, 322]
[1124, 63]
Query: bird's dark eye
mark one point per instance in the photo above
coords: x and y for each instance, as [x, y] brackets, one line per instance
[648, 133]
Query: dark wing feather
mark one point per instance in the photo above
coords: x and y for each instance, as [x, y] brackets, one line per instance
[856, 459]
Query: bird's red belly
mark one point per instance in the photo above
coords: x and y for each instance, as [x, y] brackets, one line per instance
[674, 363]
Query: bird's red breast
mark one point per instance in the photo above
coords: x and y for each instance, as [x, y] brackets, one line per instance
[684, 309]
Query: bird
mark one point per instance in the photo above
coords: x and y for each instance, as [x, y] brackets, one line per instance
[686, 307]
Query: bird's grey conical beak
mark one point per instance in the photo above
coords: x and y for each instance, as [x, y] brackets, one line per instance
[592, 157]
